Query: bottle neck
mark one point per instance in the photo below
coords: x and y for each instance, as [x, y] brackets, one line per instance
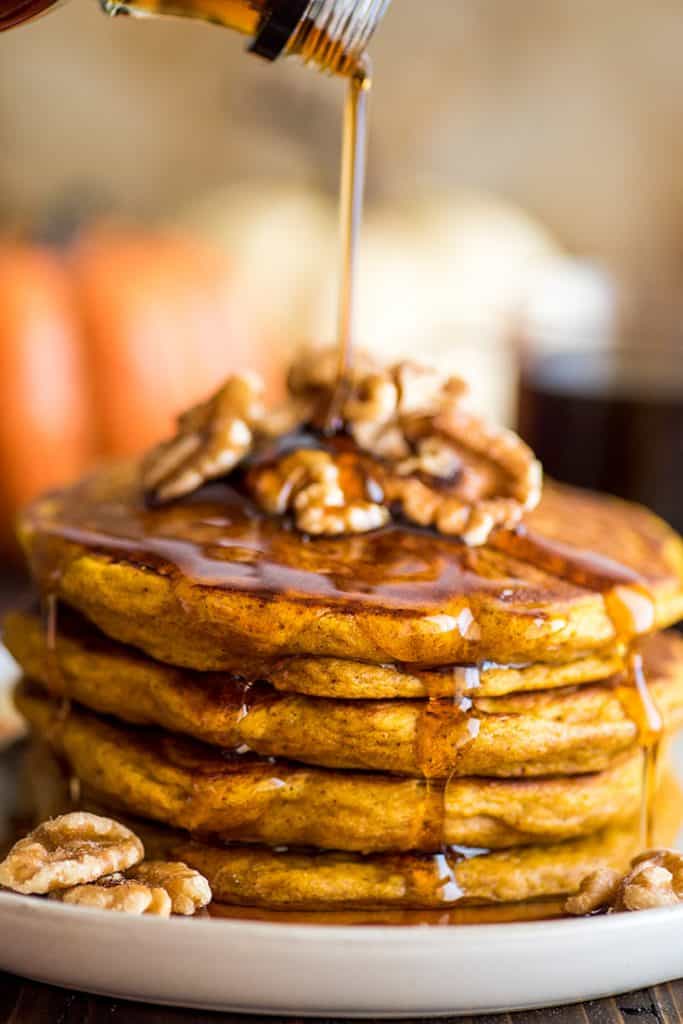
[330, 34]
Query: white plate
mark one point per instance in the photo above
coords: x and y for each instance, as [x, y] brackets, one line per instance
[341, 971]
[317, 970]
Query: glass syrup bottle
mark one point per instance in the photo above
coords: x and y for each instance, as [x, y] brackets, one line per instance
[330, 34]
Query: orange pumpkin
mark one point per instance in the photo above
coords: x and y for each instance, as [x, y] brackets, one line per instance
[102, 345]
[161, 325]
[44, 406]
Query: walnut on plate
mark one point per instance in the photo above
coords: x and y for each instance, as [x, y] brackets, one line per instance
[597, 892]
[187, 889]
[92, 861]
[120, 894]
[654, 880]
[71, 850]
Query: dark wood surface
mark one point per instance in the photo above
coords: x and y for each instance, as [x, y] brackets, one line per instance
[25, 1002]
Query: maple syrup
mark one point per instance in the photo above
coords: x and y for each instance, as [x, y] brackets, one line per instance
[352, 184]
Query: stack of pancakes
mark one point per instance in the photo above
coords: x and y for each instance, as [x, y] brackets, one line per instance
[388, 720]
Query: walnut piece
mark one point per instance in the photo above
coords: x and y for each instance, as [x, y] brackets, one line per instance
[596, 892]
[434, 456]
[119, 894]
[310, 484]
[654, 880]
[71, 850]
[212, 439]
[188, 890]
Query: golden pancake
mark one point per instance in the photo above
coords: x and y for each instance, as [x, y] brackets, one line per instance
[560, 732]
[362, 680]
[208, 580]
[257, 876]
[242, 797]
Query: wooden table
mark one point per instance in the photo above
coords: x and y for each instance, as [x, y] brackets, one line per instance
[25, 1002]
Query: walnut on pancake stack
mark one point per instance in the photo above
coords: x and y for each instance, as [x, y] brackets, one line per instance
[416, 449]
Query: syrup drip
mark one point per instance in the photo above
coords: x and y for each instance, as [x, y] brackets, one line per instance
[632, 611]
[49, 605]
[445, 724]
[55, 679]
[354, 146]
[630, 606]
[251, 695]
[246, 695]
[74, 790]
[48, 573]
[641, 708]
[464, 679]
[446, 728]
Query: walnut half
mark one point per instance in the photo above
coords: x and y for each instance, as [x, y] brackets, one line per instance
[119, 894]
[212, 439]
[73, 849]
[187, 889]
[324, 499]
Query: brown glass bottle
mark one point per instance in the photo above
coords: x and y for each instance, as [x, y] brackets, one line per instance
[331, 34]
[16, 12]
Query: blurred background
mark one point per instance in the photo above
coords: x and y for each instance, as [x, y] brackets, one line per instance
[167, 207]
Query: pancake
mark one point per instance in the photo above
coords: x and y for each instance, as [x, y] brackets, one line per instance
[362, 680]
[257, 876]
[209, 580]
[245, 798]
[564, 731]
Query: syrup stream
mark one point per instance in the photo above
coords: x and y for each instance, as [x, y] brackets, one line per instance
[352, 188]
